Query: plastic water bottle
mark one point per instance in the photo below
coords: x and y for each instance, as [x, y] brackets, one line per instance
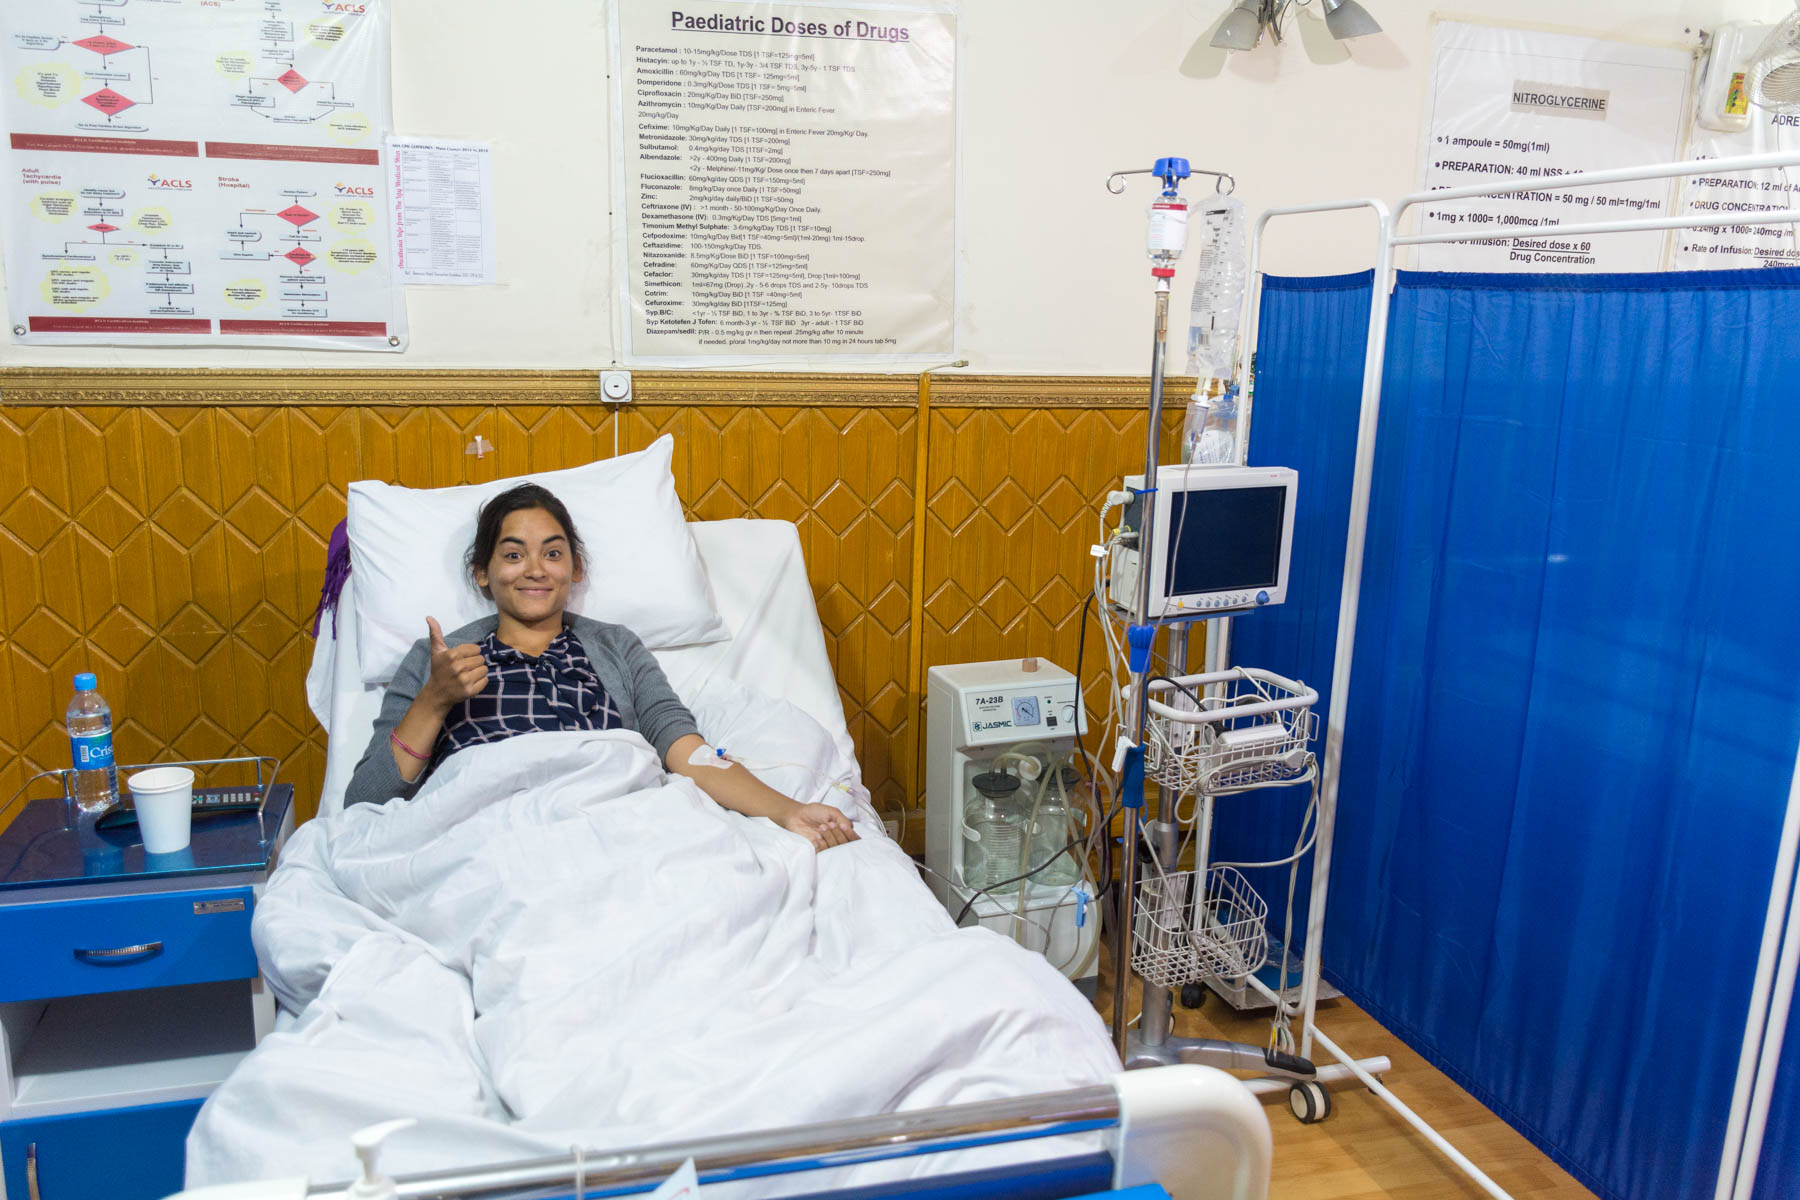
[95, 785]
[1219, 289]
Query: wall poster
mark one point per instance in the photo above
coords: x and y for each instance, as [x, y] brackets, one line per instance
[198, 172]
[1517, 105]
[786, 181]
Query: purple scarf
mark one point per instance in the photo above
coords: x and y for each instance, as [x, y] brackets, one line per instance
[337, 573]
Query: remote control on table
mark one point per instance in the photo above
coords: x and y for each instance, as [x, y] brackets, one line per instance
[208, 802]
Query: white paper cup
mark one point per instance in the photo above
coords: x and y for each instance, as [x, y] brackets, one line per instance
[164, 799]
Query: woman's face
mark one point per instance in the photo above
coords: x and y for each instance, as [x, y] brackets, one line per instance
[532, 569]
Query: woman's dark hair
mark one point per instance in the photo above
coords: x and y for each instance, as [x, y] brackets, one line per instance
[517, 499]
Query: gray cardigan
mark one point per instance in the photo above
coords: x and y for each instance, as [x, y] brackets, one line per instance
[638, 688]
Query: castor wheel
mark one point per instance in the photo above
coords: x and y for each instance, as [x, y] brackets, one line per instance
[1310, 1102]
[1193, 995]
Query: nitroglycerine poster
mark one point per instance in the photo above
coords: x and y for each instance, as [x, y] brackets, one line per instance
[1523, 107]
[787, 181]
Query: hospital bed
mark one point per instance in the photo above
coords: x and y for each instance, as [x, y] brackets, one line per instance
[1190, 1130]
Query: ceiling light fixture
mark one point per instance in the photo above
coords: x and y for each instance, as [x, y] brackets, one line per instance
[1241, 28]
[1347, 19]
[1248, 20]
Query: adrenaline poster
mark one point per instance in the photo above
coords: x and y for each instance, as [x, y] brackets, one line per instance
[198, 172]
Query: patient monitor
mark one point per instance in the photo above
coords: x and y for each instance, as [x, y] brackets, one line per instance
[1222, 536]
[1000, 749]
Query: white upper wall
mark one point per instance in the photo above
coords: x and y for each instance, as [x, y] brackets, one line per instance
[1056, 94]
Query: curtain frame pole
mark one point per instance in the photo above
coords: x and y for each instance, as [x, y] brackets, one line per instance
[1767, 1021]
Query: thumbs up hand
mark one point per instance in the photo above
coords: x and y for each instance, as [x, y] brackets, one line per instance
[457, 672]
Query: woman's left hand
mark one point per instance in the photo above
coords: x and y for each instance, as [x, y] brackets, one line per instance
[820, 824]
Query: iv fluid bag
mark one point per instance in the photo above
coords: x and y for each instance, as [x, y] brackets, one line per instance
[1219, 290]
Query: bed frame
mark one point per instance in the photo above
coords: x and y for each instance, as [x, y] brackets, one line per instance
[1169, 1133]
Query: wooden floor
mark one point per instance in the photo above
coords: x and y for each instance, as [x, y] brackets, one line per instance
[1365, 1149]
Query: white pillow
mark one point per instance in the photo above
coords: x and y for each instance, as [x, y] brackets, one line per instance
[643, 572]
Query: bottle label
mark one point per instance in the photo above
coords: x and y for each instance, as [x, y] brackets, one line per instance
[1168, 227]
[91, 751]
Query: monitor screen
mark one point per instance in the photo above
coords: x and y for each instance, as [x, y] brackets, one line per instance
[1225, 539]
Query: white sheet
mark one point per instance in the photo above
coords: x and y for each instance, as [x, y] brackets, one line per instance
[554, 944]
[605, 957]
[759, 582]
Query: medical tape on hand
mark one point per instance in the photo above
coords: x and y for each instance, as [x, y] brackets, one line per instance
[706, 756]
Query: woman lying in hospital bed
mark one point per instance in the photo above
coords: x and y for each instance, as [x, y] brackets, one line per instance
[567, 937]
[535, 666]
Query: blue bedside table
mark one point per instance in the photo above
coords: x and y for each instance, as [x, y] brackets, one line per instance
[128, 991]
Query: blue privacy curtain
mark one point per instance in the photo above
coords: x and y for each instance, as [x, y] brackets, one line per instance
[1576, 693]
[1311, 337]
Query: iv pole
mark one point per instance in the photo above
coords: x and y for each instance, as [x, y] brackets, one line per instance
[1168, 238]
[1153, 1045]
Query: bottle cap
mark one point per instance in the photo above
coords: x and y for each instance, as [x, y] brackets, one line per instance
[87, 681]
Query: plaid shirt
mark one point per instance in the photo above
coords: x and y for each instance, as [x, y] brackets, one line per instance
[556, 690]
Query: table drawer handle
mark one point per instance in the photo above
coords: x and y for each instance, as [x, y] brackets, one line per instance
[31, 1178]
[119, 955]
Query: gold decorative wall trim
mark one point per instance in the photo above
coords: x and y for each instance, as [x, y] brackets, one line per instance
[1054, 391]
[774, 390]
[75, 387]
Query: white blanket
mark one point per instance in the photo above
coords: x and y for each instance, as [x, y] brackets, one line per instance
[555, 943]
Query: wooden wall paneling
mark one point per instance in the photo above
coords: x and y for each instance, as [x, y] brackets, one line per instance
[167, 529]
[1014, 500]
[163, 551]
[843, 475]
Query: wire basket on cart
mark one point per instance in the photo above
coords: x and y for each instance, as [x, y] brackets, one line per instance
[1227, 731]
[1182, 935]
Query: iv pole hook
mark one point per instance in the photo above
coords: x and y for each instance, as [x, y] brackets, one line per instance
[1115, 183]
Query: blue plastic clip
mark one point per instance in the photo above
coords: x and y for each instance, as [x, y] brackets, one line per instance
[1081, 903]
[1131, 783]
[1169, 170]
[1139, 638]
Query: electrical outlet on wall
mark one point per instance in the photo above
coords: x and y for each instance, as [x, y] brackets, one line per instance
[615, 386]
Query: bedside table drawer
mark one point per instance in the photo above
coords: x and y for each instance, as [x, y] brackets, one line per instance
[124, 1154]
[79, 947]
